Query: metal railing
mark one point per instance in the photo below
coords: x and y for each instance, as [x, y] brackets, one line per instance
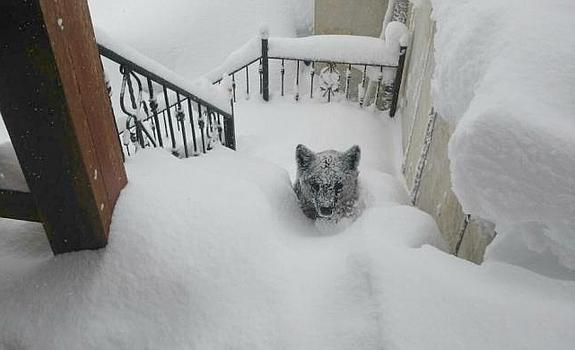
[330, 79]
[162, 113]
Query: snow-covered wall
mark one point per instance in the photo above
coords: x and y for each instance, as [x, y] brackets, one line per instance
[425, 138]
[505, 75]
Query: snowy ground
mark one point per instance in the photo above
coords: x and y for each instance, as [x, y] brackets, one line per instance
[213, 252]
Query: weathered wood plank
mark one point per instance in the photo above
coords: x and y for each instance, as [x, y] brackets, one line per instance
[55, 106]
[18, 205]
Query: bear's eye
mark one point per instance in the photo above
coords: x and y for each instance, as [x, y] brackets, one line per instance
[315, 186]
[338, 186]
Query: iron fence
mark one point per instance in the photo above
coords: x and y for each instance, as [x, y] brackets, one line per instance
[330, 79]
[160, 113]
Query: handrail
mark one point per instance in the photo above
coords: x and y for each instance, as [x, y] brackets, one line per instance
[114, 56]
[191, 124]
[332, 61]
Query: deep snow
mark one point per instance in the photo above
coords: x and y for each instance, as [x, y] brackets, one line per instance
[505, 75]
[213, 252]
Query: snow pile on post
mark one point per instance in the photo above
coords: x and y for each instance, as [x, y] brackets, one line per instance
[505, 74]
[200, 87]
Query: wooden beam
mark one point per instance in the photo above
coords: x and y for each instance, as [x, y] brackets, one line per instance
[18, 205]
[57, 112]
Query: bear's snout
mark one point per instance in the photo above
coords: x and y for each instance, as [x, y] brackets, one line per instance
[326, 212]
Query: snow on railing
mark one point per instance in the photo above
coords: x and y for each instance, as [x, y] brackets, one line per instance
[363, 69]
[202, 113]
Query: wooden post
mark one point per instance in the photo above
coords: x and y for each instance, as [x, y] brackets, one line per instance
[57, 112]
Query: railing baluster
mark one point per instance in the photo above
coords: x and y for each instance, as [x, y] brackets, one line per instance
[247, 81]
[397, 81]
[229, 129]
[234, 86]
[165, 123]
[201, 124]
[190, 111]
[312, 74]
[131, 90]
[181, 117]
[297, 81]
[154, 108]
[220, 127]
[379, 80]
[148, 135]
[261, 76]
[283, 73]
[138, 126]
[172, 136]
[361, 91]
[179, 106]
[265, 69]
[347, 81]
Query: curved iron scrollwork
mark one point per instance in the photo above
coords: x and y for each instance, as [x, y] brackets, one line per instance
[152, 105]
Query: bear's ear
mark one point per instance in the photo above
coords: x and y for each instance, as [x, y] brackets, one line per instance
[304, 156]
[352, 157]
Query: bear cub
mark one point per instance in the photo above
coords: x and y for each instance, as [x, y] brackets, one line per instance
[326, 183]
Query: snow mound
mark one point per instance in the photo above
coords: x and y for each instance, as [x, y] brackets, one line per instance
[504, 74]
[213, 252]
[199, 256]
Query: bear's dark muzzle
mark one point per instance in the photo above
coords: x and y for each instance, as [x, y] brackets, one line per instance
[326, 212]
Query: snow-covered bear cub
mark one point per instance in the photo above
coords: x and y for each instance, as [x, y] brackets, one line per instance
[326, 182]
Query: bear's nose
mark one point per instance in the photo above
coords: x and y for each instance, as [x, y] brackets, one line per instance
[326, 211]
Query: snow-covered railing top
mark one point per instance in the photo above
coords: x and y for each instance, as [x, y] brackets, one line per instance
[317, 62]
[149, 92]
[343, 49]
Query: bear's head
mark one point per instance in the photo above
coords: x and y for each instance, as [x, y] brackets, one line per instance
[328, 179]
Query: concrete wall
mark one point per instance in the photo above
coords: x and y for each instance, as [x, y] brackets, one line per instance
[353, 17]
[425, 138]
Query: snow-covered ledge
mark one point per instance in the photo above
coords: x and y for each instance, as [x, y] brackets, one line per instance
[507, 81]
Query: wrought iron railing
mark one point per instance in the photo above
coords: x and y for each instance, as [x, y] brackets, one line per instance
[367, 81]
[161, 110]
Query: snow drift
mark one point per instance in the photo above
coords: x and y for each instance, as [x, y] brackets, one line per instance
[505, 74]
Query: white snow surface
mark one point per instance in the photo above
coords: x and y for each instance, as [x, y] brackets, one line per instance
[213, 252]
[505, 74]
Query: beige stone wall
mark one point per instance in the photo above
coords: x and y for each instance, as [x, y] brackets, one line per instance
[426, 165]
[353, 17]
